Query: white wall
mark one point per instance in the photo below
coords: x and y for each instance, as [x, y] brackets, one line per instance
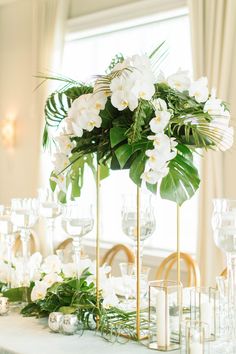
[18, 168]
[84, 7]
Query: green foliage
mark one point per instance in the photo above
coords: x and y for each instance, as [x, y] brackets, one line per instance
[117, 59]
[182, 180]
[121, 141]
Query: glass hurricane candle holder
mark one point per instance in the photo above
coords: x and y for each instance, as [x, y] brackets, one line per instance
[195, 332]
[203, 308]
[165, 311]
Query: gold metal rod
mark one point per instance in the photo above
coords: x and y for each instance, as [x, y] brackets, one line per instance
[98, 185]
[138, 267]
[179, 294]
[178, 244]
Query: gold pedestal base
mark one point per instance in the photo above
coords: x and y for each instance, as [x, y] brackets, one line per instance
[170, 347]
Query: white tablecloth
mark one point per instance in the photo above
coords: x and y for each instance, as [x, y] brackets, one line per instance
[22, 335]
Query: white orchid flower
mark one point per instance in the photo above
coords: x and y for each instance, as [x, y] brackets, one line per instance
[69, 270]
[4, 272]
[161, 78]
[60, 161]
[90, 119]
[39, 291]
[179, 81]
[64, 144]
[110, 301]
[143, 89]
[60, 180]
[160, 121]
[199, 90]
[98, 101]
[77, 130]
[159, 104]
[52, 264]
[214, 106]
[160, 141]
[123, 99]
[156, 159]
[52, 278]
[152, 177]
[79, 105]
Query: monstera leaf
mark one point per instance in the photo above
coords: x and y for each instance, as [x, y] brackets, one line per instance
[182, 181]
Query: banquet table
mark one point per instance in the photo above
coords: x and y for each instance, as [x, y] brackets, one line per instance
[27, 335]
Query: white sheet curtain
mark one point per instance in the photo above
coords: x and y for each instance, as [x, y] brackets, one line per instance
[49, 20]
[213, 29]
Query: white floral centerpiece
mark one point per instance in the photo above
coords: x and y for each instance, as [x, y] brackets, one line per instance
[137, 119]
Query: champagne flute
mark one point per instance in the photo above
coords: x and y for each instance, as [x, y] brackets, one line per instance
[50, 209]
[77, 221]
[24, 215]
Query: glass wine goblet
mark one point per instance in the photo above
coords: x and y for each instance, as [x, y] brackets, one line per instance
[77, 221]
[7, 230]
[50, 209]
[24, 215]
[127, 270]
[224, 227]
[129, 220]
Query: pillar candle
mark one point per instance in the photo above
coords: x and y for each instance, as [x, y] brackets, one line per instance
[163, 321]
[206, 317]
[196, 348]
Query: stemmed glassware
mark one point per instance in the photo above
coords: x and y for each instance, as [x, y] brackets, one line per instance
[24, 215]
[224, 227]
[77, 221]
[129, 220]
[50, 209]
[127, 270]
[7, 230]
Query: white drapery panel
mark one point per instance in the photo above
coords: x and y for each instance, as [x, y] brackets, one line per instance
[213, 28]
[49, 21]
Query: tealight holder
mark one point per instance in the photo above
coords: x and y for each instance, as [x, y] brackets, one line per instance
[203, 308]
[164, 315]
[55, 321]
[195, 337]
[4, 305]
[71, 325]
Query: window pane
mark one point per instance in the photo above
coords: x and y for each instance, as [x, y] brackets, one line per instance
[86, 57]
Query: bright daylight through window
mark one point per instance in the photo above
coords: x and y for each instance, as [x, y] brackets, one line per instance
[84, 57]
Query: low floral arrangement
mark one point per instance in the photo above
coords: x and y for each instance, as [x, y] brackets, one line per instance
[54, 287]
[135, 118]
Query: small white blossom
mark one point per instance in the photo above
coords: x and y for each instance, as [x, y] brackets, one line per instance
[60, 180]
[153, 177]
[159, 104]
[90, 119]
[199, 90]
[52, 278]
[39, 291]
[179, 81]
[214, 106]
[65, 145]
[161, 141]
[52, 264]
[60, 162]
[110, 300]
[160, 121]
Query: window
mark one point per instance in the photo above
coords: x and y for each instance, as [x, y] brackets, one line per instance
[84, 57]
